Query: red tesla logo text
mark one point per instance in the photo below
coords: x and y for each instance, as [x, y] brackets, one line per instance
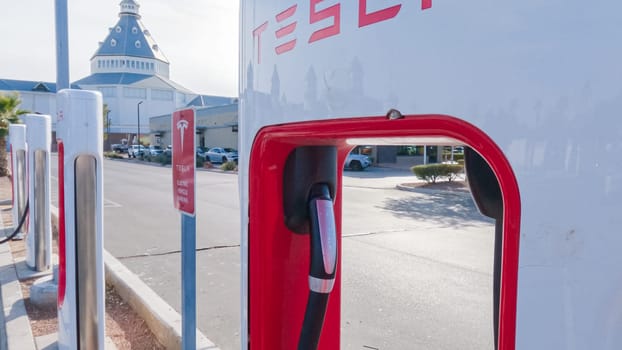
[287, 27]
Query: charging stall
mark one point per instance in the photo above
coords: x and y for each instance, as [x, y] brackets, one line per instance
[17, 140]
[81, 312]
[39, 238]
[534, 100]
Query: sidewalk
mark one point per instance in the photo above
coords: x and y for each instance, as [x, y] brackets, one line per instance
[15, 326]
[15, 330]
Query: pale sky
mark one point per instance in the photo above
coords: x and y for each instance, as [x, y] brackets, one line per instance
[199, 38]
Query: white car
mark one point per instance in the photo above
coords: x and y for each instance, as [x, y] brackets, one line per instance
[357, 162]
[221, 155]
[136, 150]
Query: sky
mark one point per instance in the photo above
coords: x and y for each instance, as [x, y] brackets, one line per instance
[199, 38]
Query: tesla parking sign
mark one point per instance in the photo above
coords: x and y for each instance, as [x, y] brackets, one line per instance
[183, 160]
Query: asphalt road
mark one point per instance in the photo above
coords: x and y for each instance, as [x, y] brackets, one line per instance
[417, 268]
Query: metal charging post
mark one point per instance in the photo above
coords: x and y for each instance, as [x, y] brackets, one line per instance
[39, 238]
[81, 315]
[184, 171]
[17, 140]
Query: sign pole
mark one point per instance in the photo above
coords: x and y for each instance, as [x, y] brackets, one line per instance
[188, 278]
[184, 173]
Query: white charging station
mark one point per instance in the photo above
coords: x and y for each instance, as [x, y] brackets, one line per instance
[17, 140]
[81, 311]
[39, 238]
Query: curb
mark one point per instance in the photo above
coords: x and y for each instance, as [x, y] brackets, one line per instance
[161, 318]
[431, 191]
[136, 161]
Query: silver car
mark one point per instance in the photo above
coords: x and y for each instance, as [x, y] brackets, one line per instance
[155, 150]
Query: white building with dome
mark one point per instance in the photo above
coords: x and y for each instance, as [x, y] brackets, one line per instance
[132, 73]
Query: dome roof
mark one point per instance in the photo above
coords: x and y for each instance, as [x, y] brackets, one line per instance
[129, 37]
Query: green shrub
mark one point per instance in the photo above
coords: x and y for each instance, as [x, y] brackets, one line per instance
[200, 161]
[163, 159]
[432, 172]
[113, 155]
[229, 166]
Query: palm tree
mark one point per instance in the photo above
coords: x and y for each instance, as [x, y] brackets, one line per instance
[9, 114]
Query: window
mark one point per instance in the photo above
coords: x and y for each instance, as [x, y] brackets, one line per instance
[162, 95]
[410, 150]
[108, 91]
[113, 42]
[134, 30]
[118, 29]
[134, 92]
[137, 44]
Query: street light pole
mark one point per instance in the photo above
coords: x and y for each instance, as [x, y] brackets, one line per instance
[138, 130]
[108, 128]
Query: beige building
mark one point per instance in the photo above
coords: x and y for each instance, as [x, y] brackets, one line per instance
[215, 127]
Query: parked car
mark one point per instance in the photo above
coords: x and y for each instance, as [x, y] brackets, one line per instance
[119, 148]
[221, 155]
[357, 162]
[155, 150]
[136, 150]
[168, 150]
[201, 152]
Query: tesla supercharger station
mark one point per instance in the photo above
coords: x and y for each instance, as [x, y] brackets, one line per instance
[534, 97]
[17, 140]
[81, 282]
[39, 238]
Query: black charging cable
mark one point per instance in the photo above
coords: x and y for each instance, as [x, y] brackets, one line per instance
[19, 226]
[323, 264]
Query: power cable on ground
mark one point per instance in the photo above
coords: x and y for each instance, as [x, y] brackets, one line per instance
[19, 226]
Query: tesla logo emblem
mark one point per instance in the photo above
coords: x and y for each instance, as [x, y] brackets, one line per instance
[182, 125]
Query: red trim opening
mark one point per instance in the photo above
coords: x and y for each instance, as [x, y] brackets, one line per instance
[62, 258]
[278, 261]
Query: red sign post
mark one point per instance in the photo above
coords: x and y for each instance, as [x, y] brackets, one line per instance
[184, 153]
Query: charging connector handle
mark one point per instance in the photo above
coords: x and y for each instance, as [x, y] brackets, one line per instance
[323, 266]
[323, 240]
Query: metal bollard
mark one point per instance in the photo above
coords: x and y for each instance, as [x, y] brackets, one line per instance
[39, 238]
[80, 176]
[17, 140]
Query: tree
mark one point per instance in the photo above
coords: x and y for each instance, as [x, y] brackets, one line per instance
[9, 114]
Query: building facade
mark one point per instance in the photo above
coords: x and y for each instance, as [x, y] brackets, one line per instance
[215, 127]
[132, 73]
